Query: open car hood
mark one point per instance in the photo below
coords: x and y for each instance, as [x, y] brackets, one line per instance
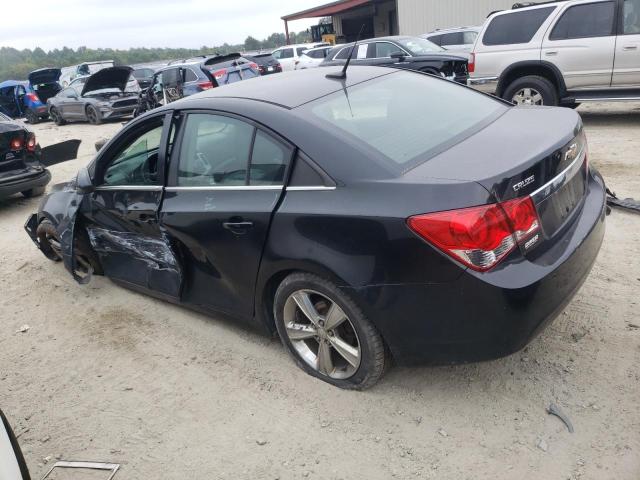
[113, 77]
[44, 75]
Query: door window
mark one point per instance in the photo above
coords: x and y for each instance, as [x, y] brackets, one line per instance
[215, 151]
[69, 93]
[516, 27]
[189, 76]
[452, 39]
[585, 21]
[268, 161]
[385, 49]
[301, 50]
[631, 17]
[286, 53]
[137, 162]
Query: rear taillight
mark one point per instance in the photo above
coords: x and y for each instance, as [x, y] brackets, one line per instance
[33, 97]
[16, 144]
[472, 62]
[218, 74]
[479, 237]
[31, 143]
[205, 85]
[253, 65]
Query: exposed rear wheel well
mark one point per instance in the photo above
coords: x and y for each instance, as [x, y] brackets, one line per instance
[529, 70]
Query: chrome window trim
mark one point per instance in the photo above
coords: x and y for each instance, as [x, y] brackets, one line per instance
[221, 188]
[142, 188]
[559, 180]
[318, 188]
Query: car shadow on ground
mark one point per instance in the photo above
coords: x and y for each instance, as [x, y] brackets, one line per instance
[611, 118]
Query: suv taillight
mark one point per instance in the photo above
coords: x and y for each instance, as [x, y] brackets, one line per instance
[205, 85]
[472, 62]
[479, 237]
[220, 73]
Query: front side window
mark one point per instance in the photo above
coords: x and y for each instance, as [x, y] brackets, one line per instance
[631, 17]
[452, 39]
[386, 49]
[286, 53]
[137, 162]
[516, 27]
[301, 50]
[585, 21]
[403, 119]
[344, 53]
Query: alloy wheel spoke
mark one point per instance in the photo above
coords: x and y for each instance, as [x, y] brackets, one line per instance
[335, 317]
[297, 331]
[303, 300]
[324, 361]
[349, 353]
[537, 98]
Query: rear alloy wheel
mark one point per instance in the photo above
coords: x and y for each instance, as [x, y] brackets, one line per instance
[56, 117]
[32, 117]
[531, 91]
[93, 116]
[327, 333]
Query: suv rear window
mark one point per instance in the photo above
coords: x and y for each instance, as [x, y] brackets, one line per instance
[403, 118]
[515, 27]
[585, 21]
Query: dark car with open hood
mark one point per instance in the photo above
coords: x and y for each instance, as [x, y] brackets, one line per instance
[101, 97]
[23, 163]
[363, 216]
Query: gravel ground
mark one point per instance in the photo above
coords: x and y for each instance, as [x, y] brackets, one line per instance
[105, 374]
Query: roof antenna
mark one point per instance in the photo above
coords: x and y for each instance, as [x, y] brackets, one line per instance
[343, 74]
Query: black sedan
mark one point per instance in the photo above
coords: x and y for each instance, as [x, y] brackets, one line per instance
[101, 97]
[388, 214]
[23, 163]
[410, 53]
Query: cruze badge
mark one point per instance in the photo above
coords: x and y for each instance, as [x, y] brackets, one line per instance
[524, 183]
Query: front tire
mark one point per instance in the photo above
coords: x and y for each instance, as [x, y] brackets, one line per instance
[56, 116]
[327, 334]
[531, 91]
[93, 115]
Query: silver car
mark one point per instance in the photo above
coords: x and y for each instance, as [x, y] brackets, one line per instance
[460, 39]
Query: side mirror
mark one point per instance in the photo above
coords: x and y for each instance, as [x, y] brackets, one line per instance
[12, 464]
[83, 182]
[400, 56]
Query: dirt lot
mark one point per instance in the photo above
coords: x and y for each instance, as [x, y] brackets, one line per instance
[108, 375]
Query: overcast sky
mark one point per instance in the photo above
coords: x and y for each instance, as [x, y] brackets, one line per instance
[53, 24]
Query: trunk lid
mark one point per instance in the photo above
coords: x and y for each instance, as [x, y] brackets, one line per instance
[108, 78]
[537, 152]
[45, 76]
[12, 162]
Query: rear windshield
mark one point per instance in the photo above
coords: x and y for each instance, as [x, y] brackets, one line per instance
[405, 118]
[516, 27]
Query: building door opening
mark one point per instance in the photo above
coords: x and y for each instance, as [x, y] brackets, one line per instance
[351, 27]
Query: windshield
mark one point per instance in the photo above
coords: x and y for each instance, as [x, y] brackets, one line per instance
[405, 118]
[419, 46]
[143, 73]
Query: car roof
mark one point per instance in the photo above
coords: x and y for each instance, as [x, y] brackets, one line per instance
[13, 83]
[440, 31]
[292, 89]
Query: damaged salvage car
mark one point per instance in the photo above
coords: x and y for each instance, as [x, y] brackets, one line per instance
[364, 216]
[23, 163]
[29, 99]
[101, 97]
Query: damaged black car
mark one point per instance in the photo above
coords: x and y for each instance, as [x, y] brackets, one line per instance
[23, 163]
[102, 97]
[419, 220]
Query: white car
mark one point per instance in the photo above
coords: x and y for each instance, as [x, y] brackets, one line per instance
[289, 55]
[312, 58]
[454, 39]
[68, 74]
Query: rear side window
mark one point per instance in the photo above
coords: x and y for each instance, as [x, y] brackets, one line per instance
[189, 76]
[515, 27]
[584, 21]
[631, 17]
[301, 50]
[268, 161]
[452, 39]
[286, 53]
[437, 39]
[403, 119]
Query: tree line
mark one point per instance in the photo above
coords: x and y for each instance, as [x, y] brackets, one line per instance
[16, 64]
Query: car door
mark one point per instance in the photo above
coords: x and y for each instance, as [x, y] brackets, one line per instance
[626, 70]
[70, 105]
[225, 181]
[286, 58]
[582, 44]
[121, 215]
[379, 53]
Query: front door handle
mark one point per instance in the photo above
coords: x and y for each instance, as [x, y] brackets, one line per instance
[551, 53]
[238, 228]
[630, 47]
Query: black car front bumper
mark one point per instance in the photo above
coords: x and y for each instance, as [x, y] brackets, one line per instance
[23, 182]
[483, 316]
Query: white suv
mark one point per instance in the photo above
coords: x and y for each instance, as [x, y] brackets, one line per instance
[560, 53]
[289, 56]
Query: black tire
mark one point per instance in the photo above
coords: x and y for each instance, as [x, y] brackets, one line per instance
[574, 105]
[546, 89]
[56, 116]
[31, 117]
[46, 234]
[34, 192]
[374, 357]
[93, 115]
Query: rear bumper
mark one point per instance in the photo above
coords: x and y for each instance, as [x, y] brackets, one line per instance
[22, 183]
[484, 84]
[491, 315]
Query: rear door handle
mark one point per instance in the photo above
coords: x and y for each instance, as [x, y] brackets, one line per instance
[551, 53]
[238, 228]
[630, 47]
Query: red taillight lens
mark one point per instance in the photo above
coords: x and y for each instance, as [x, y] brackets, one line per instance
[31, 143]
[16, 144]
[33, 97]
[479, 237]
[220, 73]
[254, 65]
[205, 85]
[472, 62]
